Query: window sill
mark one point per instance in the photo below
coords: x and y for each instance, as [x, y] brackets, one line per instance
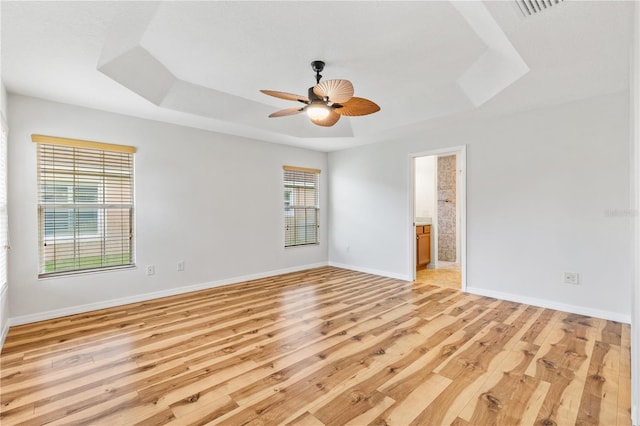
[87, 271]
[302, 245]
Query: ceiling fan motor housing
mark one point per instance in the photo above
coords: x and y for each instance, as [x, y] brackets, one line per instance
[317, 67]
[312, 96]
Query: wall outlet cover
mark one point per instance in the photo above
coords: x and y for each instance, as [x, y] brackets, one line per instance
[571, 278]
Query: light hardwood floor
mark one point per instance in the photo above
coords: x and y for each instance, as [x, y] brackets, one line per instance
[320, 347]
[441, 277]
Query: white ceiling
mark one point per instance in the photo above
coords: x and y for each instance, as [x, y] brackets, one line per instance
[203, 63]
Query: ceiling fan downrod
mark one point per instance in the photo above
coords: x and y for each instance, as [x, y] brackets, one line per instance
[317, 67]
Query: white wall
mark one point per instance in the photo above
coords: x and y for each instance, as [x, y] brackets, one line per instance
[635, 194]
[212, 200]
[3, 101]
[543, 188]
[425, 171]
[4, 293]
[425, 198]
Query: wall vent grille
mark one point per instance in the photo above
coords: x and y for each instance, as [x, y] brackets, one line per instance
[531, 7]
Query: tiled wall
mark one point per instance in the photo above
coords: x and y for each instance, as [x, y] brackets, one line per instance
[447, 208]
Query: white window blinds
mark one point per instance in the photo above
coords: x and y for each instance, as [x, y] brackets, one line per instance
[301, 206]
[85, 205]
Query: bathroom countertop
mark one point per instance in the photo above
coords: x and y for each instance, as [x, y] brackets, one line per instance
[420, 221]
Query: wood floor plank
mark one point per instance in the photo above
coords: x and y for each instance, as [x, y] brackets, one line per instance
[411, 405]
[624, 380]
[278, 406]
[305, 419]
[534, 405]
[200, 409]
[326, 346]
[594, 397]
[508, 391]
[465, 369]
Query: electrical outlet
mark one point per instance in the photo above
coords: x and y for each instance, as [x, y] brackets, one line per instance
[571, 278]
[180, 266]
[151, 269]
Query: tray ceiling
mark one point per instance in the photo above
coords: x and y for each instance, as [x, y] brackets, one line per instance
[202, 64]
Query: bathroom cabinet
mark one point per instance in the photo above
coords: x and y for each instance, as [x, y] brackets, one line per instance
[423, 245]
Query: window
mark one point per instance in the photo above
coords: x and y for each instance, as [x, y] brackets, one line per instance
[85, 205]
[301, 206]
[63, 223]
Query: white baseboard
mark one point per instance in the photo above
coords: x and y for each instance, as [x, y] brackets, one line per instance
[549, 304]
[3, 336]
[543, 303]
[4, 331]
[4, 303]
[72, 310]
[372, 271]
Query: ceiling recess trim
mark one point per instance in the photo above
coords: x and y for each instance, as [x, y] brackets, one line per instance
[531, 7]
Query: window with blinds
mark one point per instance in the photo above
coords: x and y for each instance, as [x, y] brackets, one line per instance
[85, 205]
[301, 206]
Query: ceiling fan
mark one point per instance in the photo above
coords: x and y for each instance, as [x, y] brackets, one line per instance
[326, 101]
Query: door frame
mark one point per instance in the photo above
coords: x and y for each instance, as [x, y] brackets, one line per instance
[461, 200]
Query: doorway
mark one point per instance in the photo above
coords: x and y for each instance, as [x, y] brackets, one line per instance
[438, 215]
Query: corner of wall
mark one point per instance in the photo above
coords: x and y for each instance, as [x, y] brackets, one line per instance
[371, 271]
[4, 291]
[635, 197]
[3, 101]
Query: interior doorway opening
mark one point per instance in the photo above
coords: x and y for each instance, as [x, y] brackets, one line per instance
[438, 216]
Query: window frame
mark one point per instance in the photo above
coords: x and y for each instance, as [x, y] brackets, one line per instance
[76, 165]
[301, 178]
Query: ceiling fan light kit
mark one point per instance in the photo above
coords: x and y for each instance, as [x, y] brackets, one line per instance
[326, 101]
[317, 111]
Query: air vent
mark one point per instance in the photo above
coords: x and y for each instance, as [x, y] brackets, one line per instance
[531, 7]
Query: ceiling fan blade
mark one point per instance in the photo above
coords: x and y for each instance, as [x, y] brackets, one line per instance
[358, 106]
[338, 91]
[328, 121]
[285, 95]
[285, 112]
